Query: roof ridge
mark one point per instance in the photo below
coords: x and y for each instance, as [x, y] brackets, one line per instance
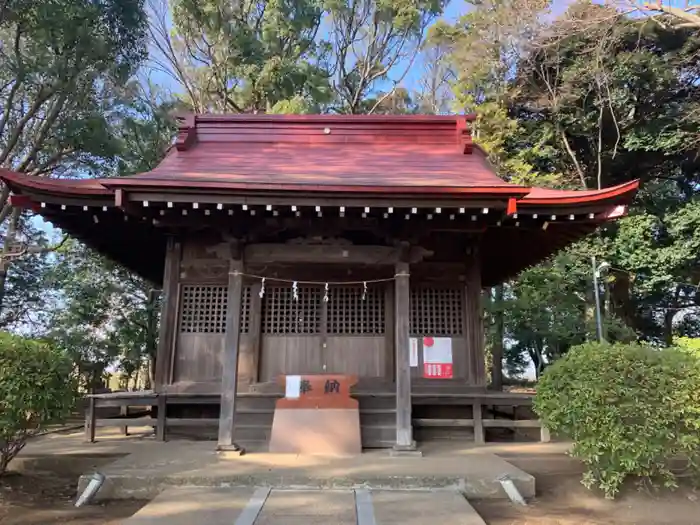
[322, 129]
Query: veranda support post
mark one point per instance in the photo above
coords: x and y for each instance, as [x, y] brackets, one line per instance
[404, 428]
[229, 380]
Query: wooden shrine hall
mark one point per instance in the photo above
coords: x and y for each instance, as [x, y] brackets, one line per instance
[321, 244]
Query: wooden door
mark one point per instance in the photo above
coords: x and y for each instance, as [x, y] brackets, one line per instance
[291, 332]
[355, 332]
[308, 335]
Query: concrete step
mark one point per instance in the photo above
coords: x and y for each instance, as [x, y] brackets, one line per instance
[148, 470]
[188, 505]
[440, 507]
[265, 506]
[309, 507]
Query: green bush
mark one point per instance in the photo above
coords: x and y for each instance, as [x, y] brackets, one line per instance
[36, 390]
[630, 410]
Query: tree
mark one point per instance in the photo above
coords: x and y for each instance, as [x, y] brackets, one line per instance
[371, 47]
[62, 64]
[36, 389]
[683, 14]
[547, 309]
[616, 101]
[561, 107]
[24, 296]
[271, 57]
[434, 93]
[59, 66]
[100, 314]
[611, 104]
[103, 316]
[485, 47]
[249, 56]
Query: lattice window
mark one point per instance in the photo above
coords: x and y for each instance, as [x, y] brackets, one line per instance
[283, 315]
[349, 314]
[203, 309]
[245, 310]
[437, 311]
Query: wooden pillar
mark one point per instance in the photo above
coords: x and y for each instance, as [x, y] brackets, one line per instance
[404, 426]
[168, 315]
[474, 327]
[229, 378]
[90, 417]
[124, 413]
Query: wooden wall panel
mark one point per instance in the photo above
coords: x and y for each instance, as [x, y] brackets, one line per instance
[290, 354]
[198, 357]
[460, 359]
[200, 332]
[361, 356]
[198, 363]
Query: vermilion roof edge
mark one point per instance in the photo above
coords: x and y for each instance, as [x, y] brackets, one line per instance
[86, 187]
[92, 187]
[569, 196]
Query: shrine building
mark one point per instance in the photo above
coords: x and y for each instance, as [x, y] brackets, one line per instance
[321, 244]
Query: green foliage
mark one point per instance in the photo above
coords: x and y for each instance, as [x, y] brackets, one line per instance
[290, 57]
[688, 344]
[617, 101]
[36, 390]
[630, 410]
[591, 98]
[107, 316]
[61, 70]
[245, 56]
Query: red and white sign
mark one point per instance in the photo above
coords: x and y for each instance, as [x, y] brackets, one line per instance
[437, 357]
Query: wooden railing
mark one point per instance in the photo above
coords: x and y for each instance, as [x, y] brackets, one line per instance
[127, 400]
[478, 401]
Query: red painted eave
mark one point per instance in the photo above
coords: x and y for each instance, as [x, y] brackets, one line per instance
[159, 185]
[18, 182]
[548, 197]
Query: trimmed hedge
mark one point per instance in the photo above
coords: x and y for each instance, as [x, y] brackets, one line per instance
[36, 389]
[629, 408]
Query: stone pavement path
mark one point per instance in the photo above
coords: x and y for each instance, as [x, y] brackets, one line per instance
[264, 506]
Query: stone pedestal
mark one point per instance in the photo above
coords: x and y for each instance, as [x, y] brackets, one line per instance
[317, 418]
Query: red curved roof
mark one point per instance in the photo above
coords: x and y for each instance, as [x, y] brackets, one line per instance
[415, 154]
[401, 159]
[325, 153]
[347, 167]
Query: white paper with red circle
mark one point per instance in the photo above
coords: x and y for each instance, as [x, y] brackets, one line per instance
[437, 357]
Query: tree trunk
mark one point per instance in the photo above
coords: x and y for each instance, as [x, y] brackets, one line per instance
[620, 301]
[497, 347]
[668, 326]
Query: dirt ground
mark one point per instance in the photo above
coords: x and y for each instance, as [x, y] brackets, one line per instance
[46, 497]
[562, 500]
